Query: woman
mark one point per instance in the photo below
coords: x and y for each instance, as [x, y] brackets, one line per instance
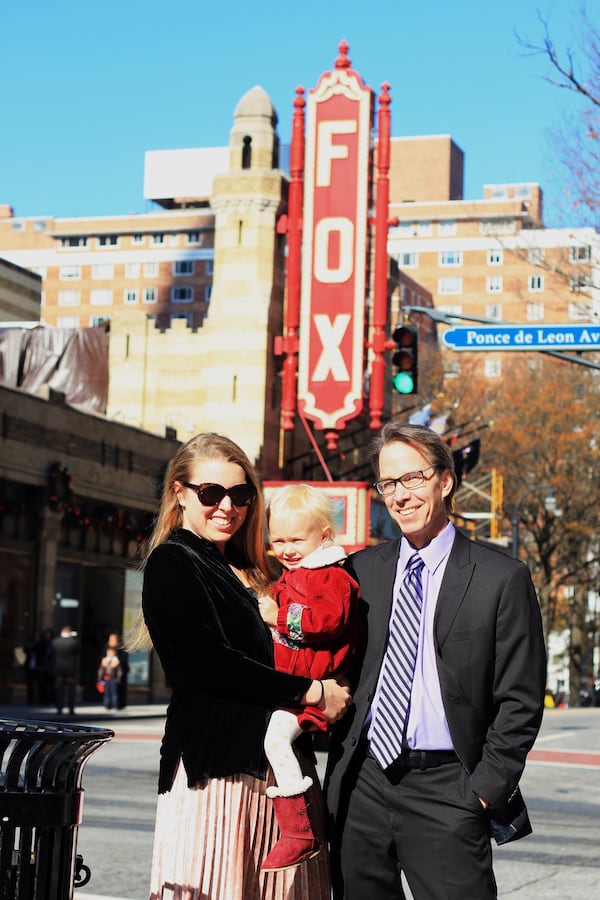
[205, 561]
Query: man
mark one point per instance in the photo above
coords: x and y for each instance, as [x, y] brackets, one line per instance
[426, 764]
[65, 656]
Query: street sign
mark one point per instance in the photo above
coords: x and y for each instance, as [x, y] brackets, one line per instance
[518, 337]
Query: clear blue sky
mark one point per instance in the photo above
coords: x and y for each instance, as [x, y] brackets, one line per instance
[88, 87]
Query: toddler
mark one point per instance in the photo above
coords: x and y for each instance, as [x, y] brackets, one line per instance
[315, 623]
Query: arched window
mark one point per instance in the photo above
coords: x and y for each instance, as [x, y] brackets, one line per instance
[247, 152]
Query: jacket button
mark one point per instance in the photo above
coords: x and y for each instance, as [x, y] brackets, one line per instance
[353, 742]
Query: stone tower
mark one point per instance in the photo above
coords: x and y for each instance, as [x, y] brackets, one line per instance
[246, 306]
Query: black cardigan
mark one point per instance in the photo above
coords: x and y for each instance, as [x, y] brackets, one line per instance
[217, 654]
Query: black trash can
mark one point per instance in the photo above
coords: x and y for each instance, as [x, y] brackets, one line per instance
[41, 802]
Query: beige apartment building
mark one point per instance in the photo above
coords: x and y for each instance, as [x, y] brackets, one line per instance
[488, 258]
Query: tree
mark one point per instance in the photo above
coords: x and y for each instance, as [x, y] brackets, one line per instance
[545, 432]
[578, 142]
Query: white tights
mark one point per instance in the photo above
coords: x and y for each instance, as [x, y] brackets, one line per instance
[281, 733]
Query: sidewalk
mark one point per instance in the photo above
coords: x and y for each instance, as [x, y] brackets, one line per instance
[85, 713]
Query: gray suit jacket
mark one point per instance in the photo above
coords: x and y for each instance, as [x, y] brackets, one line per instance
[491, 663]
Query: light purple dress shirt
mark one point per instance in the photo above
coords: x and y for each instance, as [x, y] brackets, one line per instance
[427, 727]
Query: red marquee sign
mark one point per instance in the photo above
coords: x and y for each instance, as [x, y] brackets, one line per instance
[339, 114]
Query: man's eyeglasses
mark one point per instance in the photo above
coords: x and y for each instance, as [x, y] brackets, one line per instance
[211, 494]
[410, 481]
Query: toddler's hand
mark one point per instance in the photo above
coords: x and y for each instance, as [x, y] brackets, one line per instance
[268, 610]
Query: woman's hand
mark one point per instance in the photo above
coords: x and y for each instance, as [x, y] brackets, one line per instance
[330, 697]
[268, 610]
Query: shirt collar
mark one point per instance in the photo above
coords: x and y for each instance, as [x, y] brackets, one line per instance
[433, 554]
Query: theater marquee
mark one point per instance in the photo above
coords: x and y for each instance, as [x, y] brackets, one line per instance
[335, 244]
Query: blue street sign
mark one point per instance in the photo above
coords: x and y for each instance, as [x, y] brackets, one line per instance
[521, 337]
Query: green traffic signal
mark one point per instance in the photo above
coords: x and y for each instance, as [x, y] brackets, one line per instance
[404, 383]
[405, 359]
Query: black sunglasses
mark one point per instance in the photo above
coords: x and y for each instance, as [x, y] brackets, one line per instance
[211, 494]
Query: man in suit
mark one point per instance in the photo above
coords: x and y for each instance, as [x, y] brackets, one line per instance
[425, 766]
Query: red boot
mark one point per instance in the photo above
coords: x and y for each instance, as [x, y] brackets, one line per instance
[297, 841]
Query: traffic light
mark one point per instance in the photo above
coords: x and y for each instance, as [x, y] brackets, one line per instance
[405, 359]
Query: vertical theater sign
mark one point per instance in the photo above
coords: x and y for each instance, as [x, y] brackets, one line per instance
[329, 224]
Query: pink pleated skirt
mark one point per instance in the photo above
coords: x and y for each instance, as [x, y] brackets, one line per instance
[210, 841]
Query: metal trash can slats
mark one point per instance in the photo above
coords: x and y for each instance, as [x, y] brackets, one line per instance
[41, 804]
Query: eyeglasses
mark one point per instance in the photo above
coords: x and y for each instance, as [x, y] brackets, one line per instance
[410, 481]
[211, 494]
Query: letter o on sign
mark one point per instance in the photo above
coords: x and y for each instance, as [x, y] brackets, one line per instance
[323, 231]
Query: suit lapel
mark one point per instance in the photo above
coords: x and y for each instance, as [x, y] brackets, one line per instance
[455, 582]
[379, 612]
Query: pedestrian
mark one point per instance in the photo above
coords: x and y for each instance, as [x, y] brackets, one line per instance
[206, 559]
[313, 614]
[110, 673]
[114, 640]
[448, 695]
[65, 659]
[35, 667]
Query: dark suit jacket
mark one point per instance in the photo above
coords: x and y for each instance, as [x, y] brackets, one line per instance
[490, 657]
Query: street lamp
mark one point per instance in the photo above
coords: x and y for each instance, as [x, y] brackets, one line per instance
[549, 503]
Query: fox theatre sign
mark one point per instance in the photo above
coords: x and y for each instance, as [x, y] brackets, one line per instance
[328, 227]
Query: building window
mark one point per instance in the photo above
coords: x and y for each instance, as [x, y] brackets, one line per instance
[494, 284]
[495, 257]
[451, 258]
[535, 312]
[447, 229]
[39, 270]
[40, 225]
[67, 322]
[108, 240]
[579, 283]
[207, 292]
[69, 298]
[408, 260]
[182, 294]
[98, 320]
[580, 254]
[173, 240]
[183, 267]
[579, 311]
[210, 266]
[69, 273]
[137, 239]
[71, 243]
[130, 296]
[535, 256]
[492, 368]
[497, 226]
[494, 311]
[103, 271]
[101, 296]
[150, 269]
[157, 239]
[150, 295]
[450, 285]
[535, 283]
[451, 309]
[193, 237]
[424, 229]
[17, 226]
[132, 270]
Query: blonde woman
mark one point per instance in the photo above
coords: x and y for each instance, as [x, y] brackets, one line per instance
[205, 563]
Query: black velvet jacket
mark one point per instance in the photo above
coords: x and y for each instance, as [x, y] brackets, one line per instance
[217, 654]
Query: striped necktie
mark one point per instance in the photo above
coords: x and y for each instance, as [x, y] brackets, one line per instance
[395, 682]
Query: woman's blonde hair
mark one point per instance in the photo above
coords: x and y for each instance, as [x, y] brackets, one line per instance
[292, 499]
[246, 550]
